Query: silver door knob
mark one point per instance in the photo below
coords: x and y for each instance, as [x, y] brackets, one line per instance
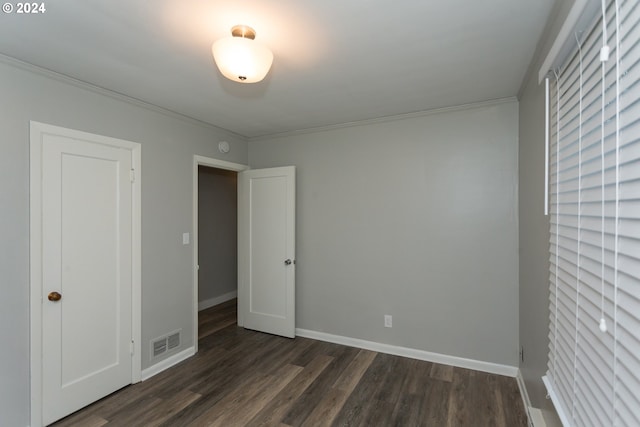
[287, 262]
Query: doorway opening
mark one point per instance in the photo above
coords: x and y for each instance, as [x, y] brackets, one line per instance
[217, 247]
[215, 242]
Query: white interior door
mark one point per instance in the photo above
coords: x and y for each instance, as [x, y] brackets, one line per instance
[87, 272]
[266, 250]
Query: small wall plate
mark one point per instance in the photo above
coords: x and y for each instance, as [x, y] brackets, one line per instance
[223, 147]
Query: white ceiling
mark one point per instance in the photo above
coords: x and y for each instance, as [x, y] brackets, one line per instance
[334, 61]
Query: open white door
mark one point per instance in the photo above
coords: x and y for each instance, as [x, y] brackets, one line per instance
[85, 268]
[266, 250]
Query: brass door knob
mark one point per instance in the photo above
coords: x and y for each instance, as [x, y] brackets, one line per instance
[54, 296]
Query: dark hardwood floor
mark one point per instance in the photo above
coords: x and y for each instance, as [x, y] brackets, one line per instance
[246, 378]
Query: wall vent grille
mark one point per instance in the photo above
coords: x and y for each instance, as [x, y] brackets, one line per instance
[173, 341]
[159, 346]
[165, 343]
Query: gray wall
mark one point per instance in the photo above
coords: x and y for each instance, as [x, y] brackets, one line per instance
[534, 226]
[217, 232]
[168, 146]
[416, 218]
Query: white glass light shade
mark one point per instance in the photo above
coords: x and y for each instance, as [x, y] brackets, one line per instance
[242, 60]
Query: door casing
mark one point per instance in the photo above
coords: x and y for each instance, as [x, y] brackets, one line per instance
[37, 130]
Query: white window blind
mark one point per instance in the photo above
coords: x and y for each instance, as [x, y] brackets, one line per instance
[593, 372]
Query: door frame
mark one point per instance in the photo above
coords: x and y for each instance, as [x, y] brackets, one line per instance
[218, 164]
[36, 132]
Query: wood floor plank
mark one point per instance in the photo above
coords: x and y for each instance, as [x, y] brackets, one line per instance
[273, 413]
[354, 409]
[215, 387]
[224, 376]
[435, 403]
[308, 400]
[313, 350]
[214, 326]
[130, 414]
[459, 412]
[329, 407]
[232, 402]
[419, 375]
[276, 384]
[326, 409]
[490, 401]
[167, 408]
[93, 421]
[151, 410]
[407, 411]
[235, 408]
[354, 371]
[391, 389]
[378, 413]
[241, 377]
[361, 391]
[441, 372]
[82, 419]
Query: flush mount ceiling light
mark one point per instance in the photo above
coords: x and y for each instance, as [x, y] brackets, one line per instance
[240, 58]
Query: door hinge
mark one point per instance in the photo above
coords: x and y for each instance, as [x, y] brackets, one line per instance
[131, 347]
[132, 175]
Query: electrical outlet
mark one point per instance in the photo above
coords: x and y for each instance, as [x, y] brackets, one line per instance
[388, 321]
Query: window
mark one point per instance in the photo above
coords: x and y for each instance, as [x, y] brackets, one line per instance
[593, 372]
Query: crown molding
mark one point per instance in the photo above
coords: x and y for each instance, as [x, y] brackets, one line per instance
[63, 78]
[385, 119]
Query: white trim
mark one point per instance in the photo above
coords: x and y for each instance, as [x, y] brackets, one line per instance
[26, 66]
[219, 164]
[36, 131]
[580, 14]
[556, 402]
[385, 119]
[136, 270]
[35, 279]
[537, 419]
[478, 365]
[525, 399]
[212, 302]
[167, 363]
[546, 146]
[214, 163]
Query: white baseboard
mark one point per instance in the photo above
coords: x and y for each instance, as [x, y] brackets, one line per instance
[478, 365]
[203, 305]
[525, 398]
[167, 363]
[534, 415]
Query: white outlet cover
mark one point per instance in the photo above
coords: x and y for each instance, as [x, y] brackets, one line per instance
[388, 321]
[185, 238]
